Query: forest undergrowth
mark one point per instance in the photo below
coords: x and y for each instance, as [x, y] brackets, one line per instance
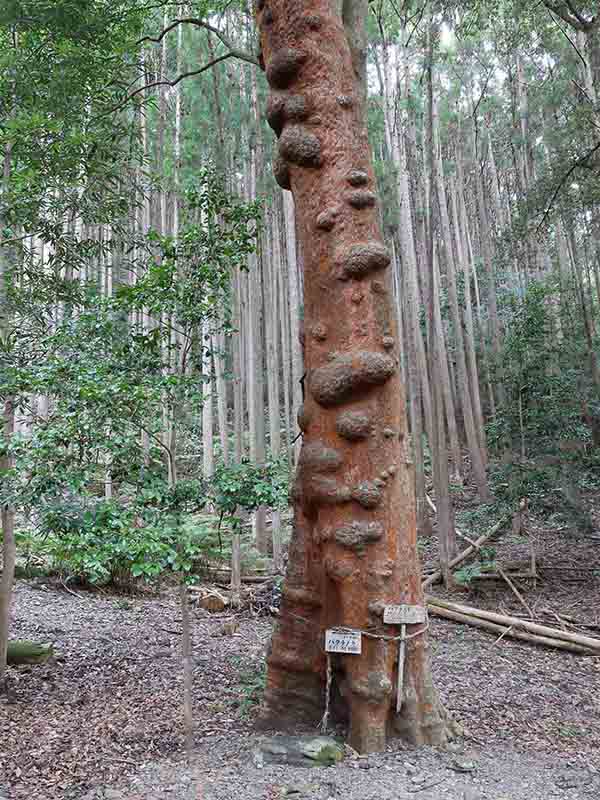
[106, 709]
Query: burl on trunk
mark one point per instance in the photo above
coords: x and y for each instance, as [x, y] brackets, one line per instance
[353, 549]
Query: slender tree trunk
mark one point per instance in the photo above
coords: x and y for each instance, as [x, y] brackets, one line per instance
[354, 489]
[477, 460]
[486, 252]
[295, 308]
[284, 336]
[418, 381]
[160, 128]
[414, 293]
[442, 393]
[495, 186]
[272, 261]
[441, 375]
[469, 333]
[9, 552]
[188, 671]
[219, 356]
[177, 138]
[587, 320]
[535, 253]
[219, 343]
[145, 220]
[256, 404]
[208, 447]
[471, 271]
[446, 532]
[238, 396]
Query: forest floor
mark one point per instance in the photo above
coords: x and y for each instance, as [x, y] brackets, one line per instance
[104, 719]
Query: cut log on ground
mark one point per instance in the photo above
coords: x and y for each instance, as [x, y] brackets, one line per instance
[24, 652]
[514, 627]
[209, 598]
[437, 575]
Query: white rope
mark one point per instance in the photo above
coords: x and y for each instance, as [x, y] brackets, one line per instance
[381, 636]
[325, 720]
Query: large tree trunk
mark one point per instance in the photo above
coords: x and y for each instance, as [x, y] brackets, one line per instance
[353, 549]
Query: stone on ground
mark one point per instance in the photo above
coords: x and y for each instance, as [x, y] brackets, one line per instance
[304, 751]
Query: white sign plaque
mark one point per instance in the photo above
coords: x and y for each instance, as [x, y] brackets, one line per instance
[343, 642]
[404, 615]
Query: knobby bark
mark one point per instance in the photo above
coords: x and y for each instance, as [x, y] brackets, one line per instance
[353, 549]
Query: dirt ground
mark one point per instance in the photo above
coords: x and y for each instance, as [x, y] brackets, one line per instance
[105, 719]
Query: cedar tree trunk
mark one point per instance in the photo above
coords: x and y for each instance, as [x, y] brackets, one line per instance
[353, 549]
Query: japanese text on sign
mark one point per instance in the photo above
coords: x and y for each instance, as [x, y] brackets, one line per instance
[404, 615]
[343, 642]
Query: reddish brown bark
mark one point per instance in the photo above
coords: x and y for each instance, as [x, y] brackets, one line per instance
[353, 549]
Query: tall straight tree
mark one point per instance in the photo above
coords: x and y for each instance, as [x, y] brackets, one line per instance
[473, 441]
[353, 550]
[7, 515]
[419, 391]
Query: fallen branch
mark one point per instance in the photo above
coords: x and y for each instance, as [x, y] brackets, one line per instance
[254, 579]
[516, 592]
[497, 576]
[514, 627]
[222, 578]
[427, 786]
[574, 621]
[550, 568]
[437, 575]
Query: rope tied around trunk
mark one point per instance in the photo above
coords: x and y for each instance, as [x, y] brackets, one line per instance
[329, 672]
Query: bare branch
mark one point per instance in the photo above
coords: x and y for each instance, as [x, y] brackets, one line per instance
[14, 240]
[174, 82]
[582, 161]
[483, 92]
[162, 34]
[560, 11]
[567, 37]
[576, 13]
[583, 91]
[568, 13]
[200, 23]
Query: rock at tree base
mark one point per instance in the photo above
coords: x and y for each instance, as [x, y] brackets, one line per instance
[24, 652]
[302, 751]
